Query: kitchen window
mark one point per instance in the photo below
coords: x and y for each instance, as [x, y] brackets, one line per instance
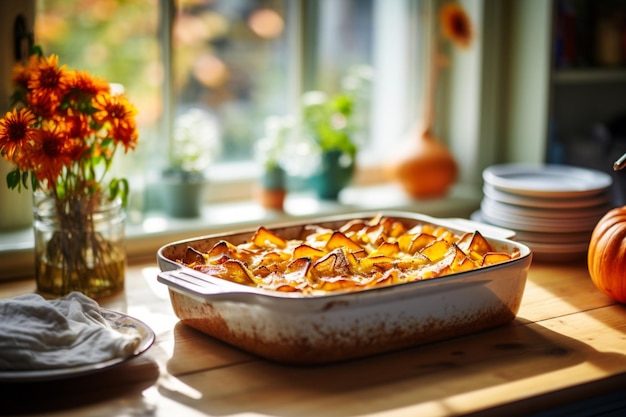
[241, 61]
[228, 65]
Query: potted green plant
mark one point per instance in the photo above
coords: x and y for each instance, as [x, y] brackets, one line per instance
[196, 141]
[327, 122]
[270, 153]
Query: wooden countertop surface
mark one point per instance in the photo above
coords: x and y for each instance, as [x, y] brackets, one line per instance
[568, 343]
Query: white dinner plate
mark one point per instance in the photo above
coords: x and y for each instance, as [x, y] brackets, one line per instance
[558, 248]
[555, 238]
[551, 250]
[564, 225]
[544, 202]
[558, 252]
[539, 214]
[547, 180]
[542, 236]
[118, 321]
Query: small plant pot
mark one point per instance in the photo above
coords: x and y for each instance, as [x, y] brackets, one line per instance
[271, 191]
[183, 194]
[335, 172]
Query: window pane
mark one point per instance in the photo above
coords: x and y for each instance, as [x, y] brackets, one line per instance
[113, 39]
[232, 68]
[343, 57]
[345, 33]
[233, 64]
[375, 44]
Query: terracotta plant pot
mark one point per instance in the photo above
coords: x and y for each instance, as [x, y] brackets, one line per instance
[271, 191]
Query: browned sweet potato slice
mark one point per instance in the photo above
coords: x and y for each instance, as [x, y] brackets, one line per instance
[477, 244]
[236, 271]
[306, 251]
[296, 272]
[334, 263]
[339, 240]
[263, 237]
[192, 256]
[436, 250]
[387, 249]
[493, 258]
[380, 262]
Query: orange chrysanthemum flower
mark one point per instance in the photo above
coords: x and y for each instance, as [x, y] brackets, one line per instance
[16, 132]
[51, 155]
[116, 112]
[456, 25]
[22, 73]
[77, 124]
[48, 85]
[67, 131]
[84, 87]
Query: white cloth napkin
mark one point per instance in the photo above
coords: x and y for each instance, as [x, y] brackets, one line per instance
[37, 334]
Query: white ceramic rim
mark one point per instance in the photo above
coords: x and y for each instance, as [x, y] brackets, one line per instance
[547, 180]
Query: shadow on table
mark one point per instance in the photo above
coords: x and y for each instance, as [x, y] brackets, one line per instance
[127, 379]
[423, 374]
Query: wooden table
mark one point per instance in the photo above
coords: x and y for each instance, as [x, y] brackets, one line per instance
[567, 344]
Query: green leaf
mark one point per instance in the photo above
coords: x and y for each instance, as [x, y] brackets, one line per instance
[119, 188]
[13, 179]
[36, 50]
[107, 142]
[33, 181]
[25, 175]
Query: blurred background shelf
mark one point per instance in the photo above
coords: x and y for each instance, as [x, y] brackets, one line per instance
[587, 84]
[589, 75]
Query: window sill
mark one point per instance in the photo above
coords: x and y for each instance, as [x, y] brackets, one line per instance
[155, 230]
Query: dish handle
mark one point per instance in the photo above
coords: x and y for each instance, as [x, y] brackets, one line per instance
[197, 284]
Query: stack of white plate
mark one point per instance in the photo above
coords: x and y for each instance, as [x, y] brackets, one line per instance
[552, 208]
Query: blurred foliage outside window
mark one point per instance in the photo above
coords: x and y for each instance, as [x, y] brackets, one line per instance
[233, 64]
[113, 39]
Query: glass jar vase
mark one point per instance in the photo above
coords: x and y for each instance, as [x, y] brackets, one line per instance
[79, 244]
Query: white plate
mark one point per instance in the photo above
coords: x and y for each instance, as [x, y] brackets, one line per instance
[546, 252]
[543, 202]
[118, 321]
[521, 223]
[558, 253]
[532, 214]
[556, 181]
[546, 237]
[574, 248]
[555, 238]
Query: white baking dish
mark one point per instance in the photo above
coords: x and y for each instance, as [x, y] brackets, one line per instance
[308, 329]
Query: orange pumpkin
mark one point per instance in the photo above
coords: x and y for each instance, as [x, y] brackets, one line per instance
[606, 257]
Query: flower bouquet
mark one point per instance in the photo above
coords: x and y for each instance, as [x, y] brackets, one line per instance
[62, 135]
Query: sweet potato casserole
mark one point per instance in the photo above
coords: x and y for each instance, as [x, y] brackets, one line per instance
[363, 253]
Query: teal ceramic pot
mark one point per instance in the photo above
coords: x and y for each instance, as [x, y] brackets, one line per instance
[335, 172]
